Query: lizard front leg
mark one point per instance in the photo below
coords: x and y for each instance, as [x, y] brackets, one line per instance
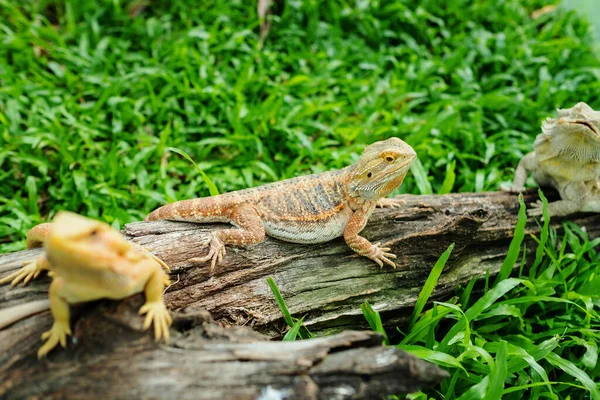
[574, 195]
[154, 308]
[60, 312]
[361, 245]
[390, 203]
[526, 164]
[30, 270]
[250, 231]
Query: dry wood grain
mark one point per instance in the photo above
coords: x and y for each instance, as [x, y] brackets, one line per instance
[112, 359]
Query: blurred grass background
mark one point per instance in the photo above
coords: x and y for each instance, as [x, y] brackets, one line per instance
[93, 93]
[590, 9]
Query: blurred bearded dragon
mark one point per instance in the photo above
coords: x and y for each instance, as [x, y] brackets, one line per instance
[566, 157]
[307, 209]
[88, 260]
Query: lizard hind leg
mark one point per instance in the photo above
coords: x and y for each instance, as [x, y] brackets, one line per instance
[250, 230]
[216, 252]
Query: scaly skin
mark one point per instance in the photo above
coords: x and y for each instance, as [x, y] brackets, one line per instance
[88, 261]
[307, 209]
[566, 157]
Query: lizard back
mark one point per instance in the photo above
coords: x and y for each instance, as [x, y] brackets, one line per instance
[314, 208]
[305, 209]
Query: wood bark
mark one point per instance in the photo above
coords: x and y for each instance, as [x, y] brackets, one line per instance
[326, 283]
[112, 359]
[323, 283]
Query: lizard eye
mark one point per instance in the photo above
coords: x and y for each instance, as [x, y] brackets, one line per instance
[94, 232]
[370, 174]
[389, 159]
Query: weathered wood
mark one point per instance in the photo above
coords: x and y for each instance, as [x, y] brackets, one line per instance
[113, 360]
[327, 283]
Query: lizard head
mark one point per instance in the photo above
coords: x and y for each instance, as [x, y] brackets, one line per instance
[381, 168]
[76, 241]
[575, 129]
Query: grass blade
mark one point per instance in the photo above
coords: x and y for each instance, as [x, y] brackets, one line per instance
[432, 279]
[499, 372]
[449, 179]
[577, 373]
[515, 245]
[436, 357]
[476, 392]
[287, 317]
[374, 320]
[212, 188]
[302, 331]
[426, 321]
[539, 252]
[474, 311]
[293, 332]
[421, 177]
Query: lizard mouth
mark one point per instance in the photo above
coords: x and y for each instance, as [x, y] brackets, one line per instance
[589, 125]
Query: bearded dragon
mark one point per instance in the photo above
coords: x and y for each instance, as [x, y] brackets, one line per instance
[306, 209]
[566, 156]
[88, 260]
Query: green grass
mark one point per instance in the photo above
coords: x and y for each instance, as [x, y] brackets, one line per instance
[535, 336]
[92, 98]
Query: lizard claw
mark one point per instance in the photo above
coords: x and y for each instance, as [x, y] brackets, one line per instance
[57, 334]
[29, 271]
[157, 313]
[536, 209]
[381, 255]
[216, 251]
[389, 203]
[512, 188]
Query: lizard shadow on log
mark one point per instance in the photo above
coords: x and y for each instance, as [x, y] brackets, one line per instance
[112, 358]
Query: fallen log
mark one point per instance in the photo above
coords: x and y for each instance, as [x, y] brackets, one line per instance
[326, 283]
[112, 359]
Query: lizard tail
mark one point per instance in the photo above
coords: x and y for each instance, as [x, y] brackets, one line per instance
[207, 209]
[37, 235]
[165, 212]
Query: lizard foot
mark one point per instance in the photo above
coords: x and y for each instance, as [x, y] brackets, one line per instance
[512, 188]
[389, 203]
[157, 313]
[216, 252]
[58, 333]
[29, 271]
[535, 210]
[380, 255]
